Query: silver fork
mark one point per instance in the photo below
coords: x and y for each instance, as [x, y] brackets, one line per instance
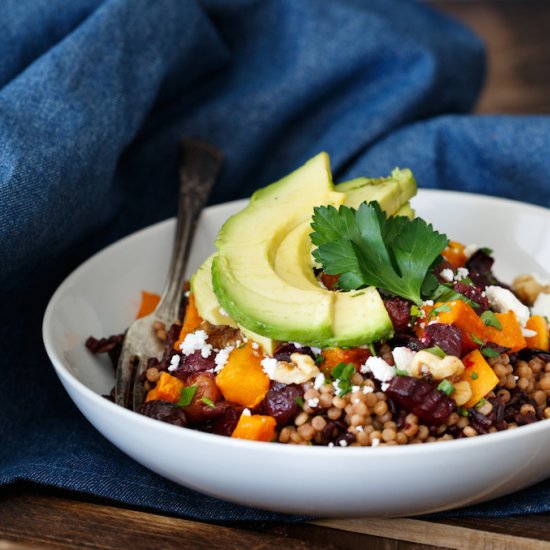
[199, 167]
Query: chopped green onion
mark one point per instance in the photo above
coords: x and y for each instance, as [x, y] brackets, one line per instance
[474, 376]
[489, 352]
[436, 350]
[299, 401]
[446, 387]
[208, 402]
[186, 396]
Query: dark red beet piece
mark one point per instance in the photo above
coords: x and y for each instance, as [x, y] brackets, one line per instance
[473, 293]
[284, 351]
[480, 267]
[111, 345]
[280, 402]
[399, 311]
[414, 395]
[225, 423]
[192, 363]
[447, 337]
[165, 412]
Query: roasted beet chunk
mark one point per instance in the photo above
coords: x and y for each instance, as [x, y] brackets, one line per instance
[192, 363]
[281, 402]
[429, 404]
[111, 345]
[165, 412]
[473, 293]
[229, 414]
[447, 337]
[284, 351]
[480, 267]
[399, 311]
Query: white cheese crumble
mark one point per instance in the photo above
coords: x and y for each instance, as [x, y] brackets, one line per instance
[375, 442]
[221, 358]
[319, 381]
[187, 293]
[428, 303]
[503, 300]
[528, 333]
[447, 274]
[542, 305]
[470, 250]
[315, 350]
[379, 368]
[255, 345]
[461, 273]
[343, 443]
[269, 364]
[196, 341]
[246, 412]
[402, 358]
[174, 363]
[314, 402]
[368, 389]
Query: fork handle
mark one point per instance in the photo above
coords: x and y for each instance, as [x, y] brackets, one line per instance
[199, 167]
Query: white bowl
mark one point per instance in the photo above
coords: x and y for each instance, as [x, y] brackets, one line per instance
[100, 298]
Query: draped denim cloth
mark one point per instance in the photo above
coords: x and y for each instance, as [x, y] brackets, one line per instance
[94, 97]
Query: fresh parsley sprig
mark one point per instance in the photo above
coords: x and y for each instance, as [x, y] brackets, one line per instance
[366, 248]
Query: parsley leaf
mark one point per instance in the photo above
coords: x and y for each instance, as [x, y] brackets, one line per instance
[491, 320]
[342, 373]
[366, 248]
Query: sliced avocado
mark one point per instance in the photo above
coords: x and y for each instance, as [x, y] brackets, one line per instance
[209, 308]
[407, 211]
[263, 272]
[205, 300]
[243, 274]
[358, 317]
[391, 192]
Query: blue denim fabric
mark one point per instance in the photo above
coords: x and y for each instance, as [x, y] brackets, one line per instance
[94, 97]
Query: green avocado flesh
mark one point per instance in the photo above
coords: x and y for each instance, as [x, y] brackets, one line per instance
[262, 274]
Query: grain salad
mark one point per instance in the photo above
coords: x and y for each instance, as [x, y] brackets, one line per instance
[347, 321]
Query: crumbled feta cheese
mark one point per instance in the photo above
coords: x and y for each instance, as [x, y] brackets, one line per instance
[187, 293]
[470, 250]
[402, 358]
[336, 387]
[428, 303]
[447, 274]
[255, 345]
[221, 358]
[384, 386]
[375, 442]
[331, 444]
[503, 300]
[319, 381]
[379, 368]
[269, 364]
[174, 363]
[246, 412]
[367, 389]
[461, 273]
[343, 443]
[314, 402]
[359, 428]
[315, 350]
[196, 341]
[542, 305]
[297, 345]
[528, 333]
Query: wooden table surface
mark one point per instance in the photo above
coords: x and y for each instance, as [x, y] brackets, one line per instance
[517, 34]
